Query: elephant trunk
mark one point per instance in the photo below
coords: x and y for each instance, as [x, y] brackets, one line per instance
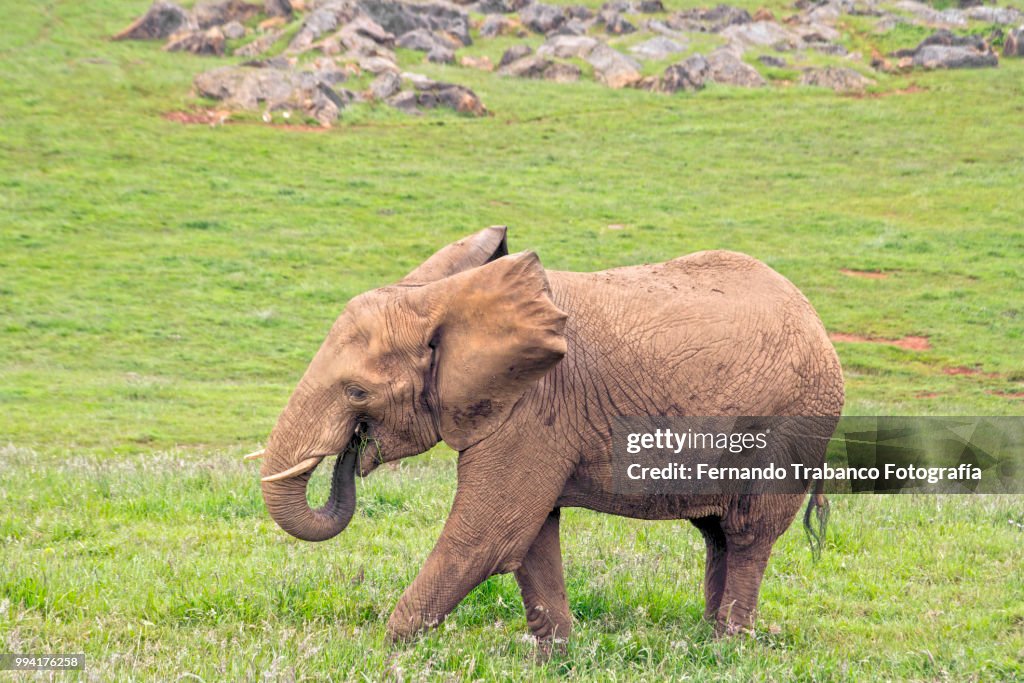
[287, 504]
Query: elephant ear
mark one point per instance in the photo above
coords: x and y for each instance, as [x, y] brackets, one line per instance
[476, 250]
[498, 333]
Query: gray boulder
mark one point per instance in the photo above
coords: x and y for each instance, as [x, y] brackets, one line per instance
[708, 20]
[250, 88]
[325, 18]
[953, 57]
[425, 40]
[536, 66]
[615, 23]
[657, 48]
[613, 68]
[773, 61]
[162, 20]
[441, 55]
[689, 75]
[728, 69]
[400, 17]
[839, 79]
[515, 53]
[432, 94]
[542, 18]
[233, 30]
[385, 85]
[761, 34]
[278, 8]
[495, 25]
[567, 47]
[996, 15]
[209, 14]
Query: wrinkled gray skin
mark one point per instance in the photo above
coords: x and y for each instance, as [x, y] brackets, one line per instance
[521, 370]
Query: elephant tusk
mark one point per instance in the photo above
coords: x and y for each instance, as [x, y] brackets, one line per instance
[304, 466]
[255, 455]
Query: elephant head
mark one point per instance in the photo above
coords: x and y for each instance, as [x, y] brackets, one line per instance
[443, 354]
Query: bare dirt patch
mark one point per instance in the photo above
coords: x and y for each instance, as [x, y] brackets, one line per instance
[866, 274]
[927, 394]
[911, 343]
[911, 89]
[209, 117]
[1008, 394]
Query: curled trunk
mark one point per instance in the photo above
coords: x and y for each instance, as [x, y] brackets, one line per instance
[287, 504]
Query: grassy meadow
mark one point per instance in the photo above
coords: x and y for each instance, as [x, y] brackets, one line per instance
[163, 286]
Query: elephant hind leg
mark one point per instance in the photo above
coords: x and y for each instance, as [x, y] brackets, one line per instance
[715, 565]
[542, 584]
[746, 564]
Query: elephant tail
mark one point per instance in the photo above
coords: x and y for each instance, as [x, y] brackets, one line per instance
[816, 515]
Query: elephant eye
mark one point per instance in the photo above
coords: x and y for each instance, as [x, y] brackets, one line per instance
[356, 393]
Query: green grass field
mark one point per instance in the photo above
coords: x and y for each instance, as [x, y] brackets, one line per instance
[163, 286]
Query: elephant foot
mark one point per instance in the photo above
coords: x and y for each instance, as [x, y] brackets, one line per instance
[547, 648]
[403, 627]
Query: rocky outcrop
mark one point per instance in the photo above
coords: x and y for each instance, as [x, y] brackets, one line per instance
[839, 79]
[613, 68]
[161, 21]
[953, 57]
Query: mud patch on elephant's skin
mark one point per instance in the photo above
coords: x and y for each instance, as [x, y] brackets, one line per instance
[910, 343]
[865, 274]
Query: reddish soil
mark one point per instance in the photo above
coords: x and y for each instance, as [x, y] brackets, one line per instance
[209, 117]
[912, 89]
[927, 394]
[866, 274]
[964, 370]
[216, 117]
[1008, 394]
[909, 343]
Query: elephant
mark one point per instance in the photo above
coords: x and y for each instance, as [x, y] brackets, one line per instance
[520, 370]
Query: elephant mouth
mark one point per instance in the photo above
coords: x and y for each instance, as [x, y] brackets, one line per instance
[362, 446]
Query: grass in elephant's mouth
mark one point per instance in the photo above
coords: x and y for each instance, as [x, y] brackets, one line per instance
[165, 285]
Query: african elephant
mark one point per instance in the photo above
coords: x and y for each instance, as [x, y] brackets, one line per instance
[520, 370]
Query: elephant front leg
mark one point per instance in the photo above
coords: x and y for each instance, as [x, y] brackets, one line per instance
[497, 515]
[542, 584]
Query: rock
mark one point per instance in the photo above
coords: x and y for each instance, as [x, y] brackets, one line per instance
[708, 20]
[579, 12]
[424, 40]
[457, 97]
[567, 47]
[495, 25]
[728, 69]
[560, 72]
[209, 14]
[953, 57]
[945, 37]
[776, 62]
[536, 66]
[260, 45]
[613, 68]
[839, 79]
[327, 17]
[198, 42]
[441, 55]
[616, 24]
[400, 17]
[572, 27]
[385, 85]
[542, 18]
[274, 89]
[663, 29]
[376, 64]
[657, 48]
[233, 30]
[495, 7]
[361, 36]
[1014, 44]
[765, 14]
[482, 63]
[690, 75]
[650, 7]
[761, 34]
[277, 8]
[531, 66]
[162, 20]
[515, 53]
[996, 15]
